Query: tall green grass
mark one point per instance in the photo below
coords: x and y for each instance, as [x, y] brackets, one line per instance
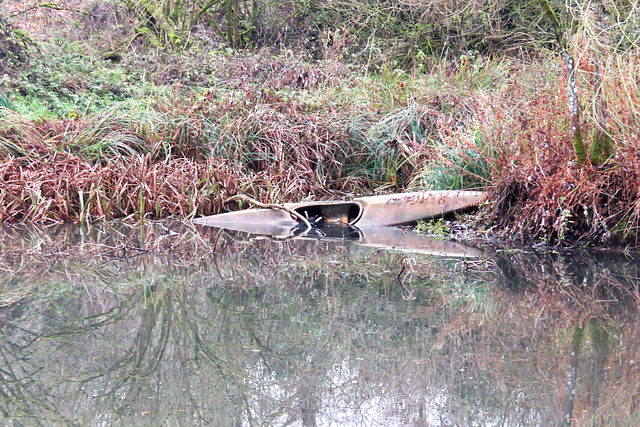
[464, 166]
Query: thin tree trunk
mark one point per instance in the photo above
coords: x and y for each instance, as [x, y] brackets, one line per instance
[233, 23]
[573, 105]
[601, 143]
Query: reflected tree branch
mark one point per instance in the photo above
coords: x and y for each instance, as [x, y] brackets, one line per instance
[572, 374]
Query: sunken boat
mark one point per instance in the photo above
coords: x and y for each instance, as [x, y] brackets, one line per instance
[363, 212]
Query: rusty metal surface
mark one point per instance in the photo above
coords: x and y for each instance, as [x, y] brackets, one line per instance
[404, 208]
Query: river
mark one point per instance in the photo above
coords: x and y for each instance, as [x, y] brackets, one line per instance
[170, 324]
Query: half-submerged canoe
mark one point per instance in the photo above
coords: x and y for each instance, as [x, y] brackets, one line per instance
[370, 211]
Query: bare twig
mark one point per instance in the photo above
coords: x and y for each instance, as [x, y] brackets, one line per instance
[53, 6]
[254, 202]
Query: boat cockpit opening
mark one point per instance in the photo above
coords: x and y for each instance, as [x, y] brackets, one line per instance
[346, 213]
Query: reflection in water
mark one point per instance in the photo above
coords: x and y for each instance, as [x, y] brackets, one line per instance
[164, 325]
[572, 374]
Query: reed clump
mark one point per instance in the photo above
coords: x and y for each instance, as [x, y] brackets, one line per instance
[187, 156]
[543, 194]
[152, 165]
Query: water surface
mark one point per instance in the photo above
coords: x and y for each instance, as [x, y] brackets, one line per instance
[165, 324]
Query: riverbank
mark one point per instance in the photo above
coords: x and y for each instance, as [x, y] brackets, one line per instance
[150, 132]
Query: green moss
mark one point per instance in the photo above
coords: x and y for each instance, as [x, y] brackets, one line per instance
[579, 148]
[601, 147]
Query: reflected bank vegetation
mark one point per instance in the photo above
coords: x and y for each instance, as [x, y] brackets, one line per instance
[165, 324]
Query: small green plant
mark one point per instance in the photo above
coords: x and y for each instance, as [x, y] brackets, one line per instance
[565, 224]
[435, 227]
[5, 102]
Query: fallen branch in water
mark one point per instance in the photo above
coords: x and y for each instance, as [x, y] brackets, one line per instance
[254, 202]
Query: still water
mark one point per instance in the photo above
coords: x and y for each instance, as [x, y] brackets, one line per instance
[166, 324]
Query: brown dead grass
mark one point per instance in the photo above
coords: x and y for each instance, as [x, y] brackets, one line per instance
[182, 160]
[67, 188]
[540, 193]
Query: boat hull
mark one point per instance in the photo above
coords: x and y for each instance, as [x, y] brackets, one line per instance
[406, 208]
[370, 211]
